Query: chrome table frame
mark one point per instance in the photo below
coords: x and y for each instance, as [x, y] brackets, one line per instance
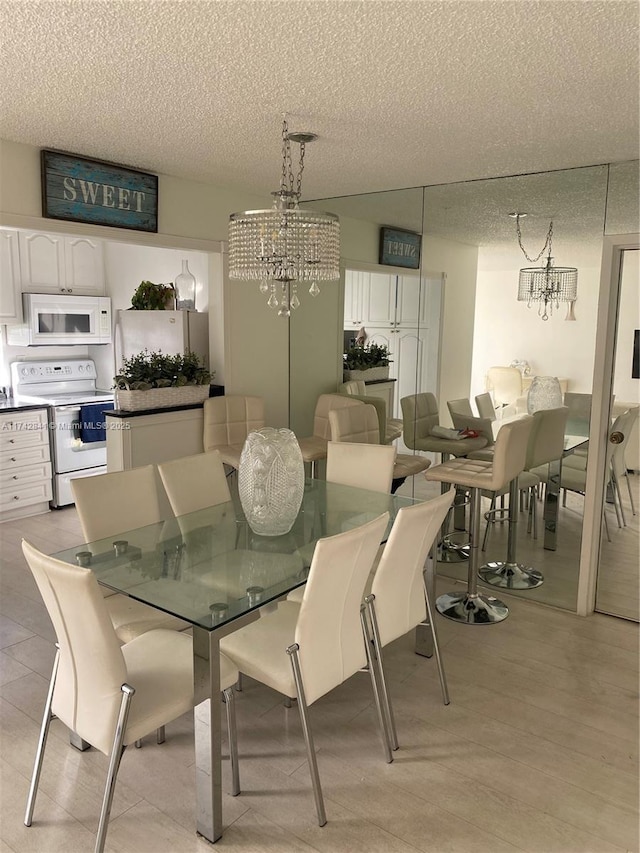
[552, 491]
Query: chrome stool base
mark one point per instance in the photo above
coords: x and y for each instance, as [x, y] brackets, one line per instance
[452, 549]
[472, 609]
[510, 575]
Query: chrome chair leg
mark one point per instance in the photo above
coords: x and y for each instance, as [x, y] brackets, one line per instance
[292, 651]
[232, 733]
[239, 683]
[633, 507]
[138, 744]
[384, 690]
[436, 644]
[47, 716]
[117, 751]
[375, 673]
[160, 738]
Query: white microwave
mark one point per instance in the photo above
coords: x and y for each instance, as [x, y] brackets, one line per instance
[52, 319]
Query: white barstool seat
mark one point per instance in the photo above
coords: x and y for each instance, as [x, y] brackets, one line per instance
[478, 475]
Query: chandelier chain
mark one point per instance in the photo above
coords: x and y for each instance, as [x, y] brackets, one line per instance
[547, 243]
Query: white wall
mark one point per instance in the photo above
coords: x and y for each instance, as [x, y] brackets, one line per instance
[459, 262]
[506, 330]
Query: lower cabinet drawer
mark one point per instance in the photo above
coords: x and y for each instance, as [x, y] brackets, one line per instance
[19, 477]
[29, 493]
[26, 456]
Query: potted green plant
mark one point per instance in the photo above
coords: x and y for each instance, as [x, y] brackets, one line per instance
[153, 297]
[151, 380]
[368, 361]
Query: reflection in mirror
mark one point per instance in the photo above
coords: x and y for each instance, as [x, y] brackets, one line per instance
[470, 243]
[380, 304]
[618, 583]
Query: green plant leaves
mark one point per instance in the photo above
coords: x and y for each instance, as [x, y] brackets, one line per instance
[364, 357]
[157, 370]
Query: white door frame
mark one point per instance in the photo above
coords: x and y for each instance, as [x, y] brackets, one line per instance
[613, 247]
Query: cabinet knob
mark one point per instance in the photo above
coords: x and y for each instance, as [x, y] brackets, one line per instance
[13, 459]
[16, 497]
[15, 476]
[12, 441]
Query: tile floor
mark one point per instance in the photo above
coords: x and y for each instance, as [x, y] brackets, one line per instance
[537, 751]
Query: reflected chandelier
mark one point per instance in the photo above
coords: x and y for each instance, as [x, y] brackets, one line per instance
[285, 245]
[547, 285]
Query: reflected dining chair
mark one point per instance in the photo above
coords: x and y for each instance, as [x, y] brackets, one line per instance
[390, 428]
[421, 416]
[485, 406]
[398, 599]
[505, 386]
[314, 447]
[360, 425]
[195, 482]
[111, 695]
[228, 420]
[322, 637]
[108, 505]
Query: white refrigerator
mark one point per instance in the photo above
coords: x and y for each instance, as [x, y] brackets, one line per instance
[171, 332]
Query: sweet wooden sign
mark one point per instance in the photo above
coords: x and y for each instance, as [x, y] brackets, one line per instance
[100, 193]
[400, 248]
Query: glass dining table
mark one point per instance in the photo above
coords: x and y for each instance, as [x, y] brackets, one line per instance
[552, 491]
[209, 569]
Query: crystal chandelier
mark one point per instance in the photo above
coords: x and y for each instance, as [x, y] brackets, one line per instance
[547, 285]
[285, 245]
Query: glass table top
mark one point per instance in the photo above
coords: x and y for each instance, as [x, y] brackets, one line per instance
[209, 568]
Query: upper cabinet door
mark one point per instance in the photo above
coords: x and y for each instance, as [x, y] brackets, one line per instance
[10, 300]
[55, 262]
[353, 290]
[84, 265]
[410, 308]
[42, 267]
[379, 299]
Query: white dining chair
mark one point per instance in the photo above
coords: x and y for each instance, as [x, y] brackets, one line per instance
[195, 482]
[228, 420]
[111, 695]
[314, 447]
[399, 597]
[322, 638]
[364, 466]
[360, 425]
[108, 505]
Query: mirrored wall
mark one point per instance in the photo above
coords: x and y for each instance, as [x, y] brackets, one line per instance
[468, 280]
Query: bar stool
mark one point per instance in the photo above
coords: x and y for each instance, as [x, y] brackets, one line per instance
[546, 443]
[477, 475]
[420, 415]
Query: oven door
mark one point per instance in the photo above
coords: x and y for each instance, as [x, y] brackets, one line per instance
[69, 452]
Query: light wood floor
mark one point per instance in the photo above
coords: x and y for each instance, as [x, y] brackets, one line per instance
[537, 751]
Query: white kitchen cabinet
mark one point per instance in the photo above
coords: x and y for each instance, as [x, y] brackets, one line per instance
[410, 361]
[61, 264]
[25, 464]
[10, 285]
[383, 299]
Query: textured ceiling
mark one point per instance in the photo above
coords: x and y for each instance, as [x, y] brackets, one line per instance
[401, 93]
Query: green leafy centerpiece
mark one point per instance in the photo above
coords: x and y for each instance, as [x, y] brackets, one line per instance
[156, 380]
[369, 361]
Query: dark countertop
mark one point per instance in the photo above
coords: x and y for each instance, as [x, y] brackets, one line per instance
[13, 406]
[378, 381]
[139, 413]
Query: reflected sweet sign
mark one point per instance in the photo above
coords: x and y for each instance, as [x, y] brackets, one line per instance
[97, 192]
[400, 248]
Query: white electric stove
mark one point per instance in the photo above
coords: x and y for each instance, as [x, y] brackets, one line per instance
[65, 386]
